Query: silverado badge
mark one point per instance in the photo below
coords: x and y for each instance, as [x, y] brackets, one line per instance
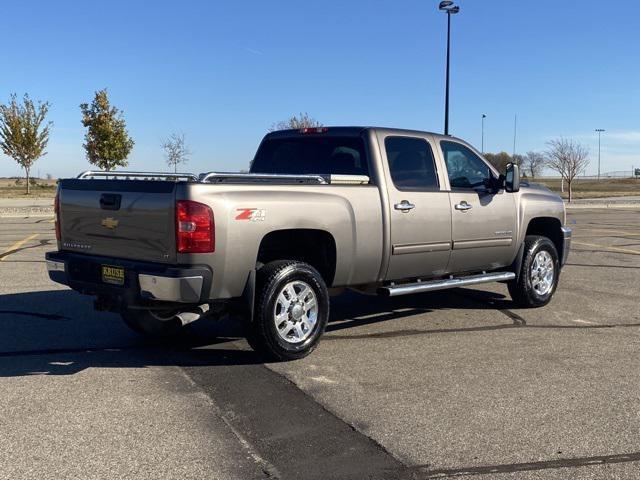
[110, 223]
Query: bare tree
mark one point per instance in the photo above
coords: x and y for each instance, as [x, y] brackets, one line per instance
[176, 150]
[533, 163]
[568, 158]
[23, 132]
[518, 159]
[296, 123]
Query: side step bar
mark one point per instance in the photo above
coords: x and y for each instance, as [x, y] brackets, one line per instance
[432, 285]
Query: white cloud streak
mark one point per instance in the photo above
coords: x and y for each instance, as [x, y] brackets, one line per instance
[252, 50]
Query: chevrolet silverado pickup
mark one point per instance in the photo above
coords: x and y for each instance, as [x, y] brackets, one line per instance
[376, 210]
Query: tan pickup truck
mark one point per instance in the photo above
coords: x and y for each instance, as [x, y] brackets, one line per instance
[377, 210]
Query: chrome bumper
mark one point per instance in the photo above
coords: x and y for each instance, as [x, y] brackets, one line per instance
[566, 245]
[171, 289]
[55, 266]
[57, 271]
[147, 281]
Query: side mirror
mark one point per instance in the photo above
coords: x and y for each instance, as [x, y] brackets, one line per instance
[512, 178]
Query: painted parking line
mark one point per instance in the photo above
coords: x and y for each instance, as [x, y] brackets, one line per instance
[586, 322]
[614, 232]
[13, 248]
[608, 248]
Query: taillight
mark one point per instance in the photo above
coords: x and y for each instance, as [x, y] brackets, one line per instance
[195, 229]
[56, 211]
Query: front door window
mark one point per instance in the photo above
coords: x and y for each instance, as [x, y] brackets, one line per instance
[466, 169]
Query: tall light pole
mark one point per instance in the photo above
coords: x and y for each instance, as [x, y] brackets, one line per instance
[599, 130]
[449, 8]
[483, 117]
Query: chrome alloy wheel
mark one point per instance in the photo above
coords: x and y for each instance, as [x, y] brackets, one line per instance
[542, 273]
[163, 315]
[296, 312]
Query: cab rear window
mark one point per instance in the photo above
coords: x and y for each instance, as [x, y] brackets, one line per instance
[311, 155]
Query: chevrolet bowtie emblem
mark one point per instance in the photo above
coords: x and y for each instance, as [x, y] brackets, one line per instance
[110, 223]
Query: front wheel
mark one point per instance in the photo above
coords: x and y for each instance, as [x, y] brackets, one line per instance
[291, 310]
[539, 273]
[153, 323]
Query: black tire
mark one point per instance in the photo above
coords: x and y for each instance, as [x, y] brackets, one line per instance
[262, 332]
[159, 324]
[522, 290]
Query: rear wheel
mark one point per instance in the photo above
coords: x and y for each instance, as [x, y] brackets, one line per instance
[153, 323]
[291, 311]
[539, 273]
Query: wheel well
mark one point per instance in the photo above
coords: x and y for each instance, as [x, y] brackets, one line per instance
[315, 247]
[548, 227]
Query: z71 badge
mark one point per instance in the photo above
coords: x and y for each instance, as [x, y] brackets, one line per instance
[251, 214]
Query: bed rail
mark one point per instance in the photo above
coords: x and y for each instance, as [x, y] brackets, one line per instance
[230, 178]
[220, 177]
[122, 175]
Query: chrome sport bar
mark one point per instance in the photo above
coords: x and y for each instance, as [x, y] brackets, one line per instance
[231, 178]
[137, 175]
[218, 177]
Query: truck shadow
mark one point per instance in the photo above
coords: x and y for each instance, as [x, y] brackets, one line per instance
[57, 332]
[351, 310]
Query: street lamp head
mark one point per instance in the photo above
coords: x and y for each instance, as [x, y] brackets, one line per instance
[448, 7]
[600, 130]
[484, 115]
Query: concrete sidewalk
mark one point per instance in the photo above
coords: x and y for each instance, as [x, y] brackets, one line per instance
[37, 207]
[632, 201]
[26, 207]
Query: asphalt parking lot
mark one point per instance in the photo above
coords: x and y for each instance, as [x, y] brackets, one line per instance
[439, 385]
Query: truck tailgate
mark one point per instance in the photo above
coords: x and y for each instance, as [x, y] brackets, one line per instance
[132, 219]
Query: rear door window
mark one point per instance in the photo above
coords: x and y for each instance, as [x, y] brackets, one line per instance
[311, 155]
[411, 163]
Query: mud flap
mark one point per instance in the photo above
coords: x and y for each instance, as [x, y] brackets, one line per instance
[516, 266]
[247, 301]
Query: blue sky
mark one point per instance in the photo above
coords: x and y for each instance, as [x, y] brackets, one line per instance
[222, 72]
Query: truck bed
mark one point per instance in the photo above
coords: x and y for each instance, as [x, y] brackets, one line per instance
[131, 215]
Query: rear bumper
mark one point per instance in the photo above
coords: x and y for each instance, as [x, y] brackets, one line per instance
[566, 245]
[143, 281]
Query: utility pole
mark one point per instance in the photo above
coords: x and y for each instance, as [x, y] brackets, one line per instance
[482, 148]
[599, 130]
[515, 129]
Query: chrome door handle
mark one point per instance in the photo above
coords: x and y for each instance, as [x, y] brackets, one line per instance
[404, 206]
[463, 206]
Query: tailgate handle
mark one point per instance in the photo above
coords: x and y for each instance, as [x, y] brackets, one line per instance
[110, 201]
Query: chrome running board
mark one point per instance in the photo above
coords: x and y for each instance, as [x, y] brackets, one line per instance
[454, 282]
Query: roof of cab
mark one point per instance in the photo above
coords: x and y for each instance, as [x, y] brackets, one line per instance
[353, 131]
